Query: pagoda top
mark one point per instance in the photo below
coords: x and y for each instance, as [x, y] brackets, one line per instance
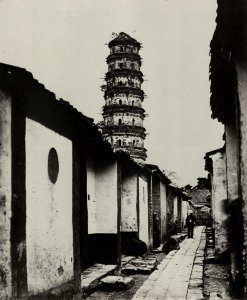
[124, 38]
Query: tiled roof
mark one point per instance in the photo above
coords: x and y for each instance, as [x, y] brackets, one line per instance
[226, 40]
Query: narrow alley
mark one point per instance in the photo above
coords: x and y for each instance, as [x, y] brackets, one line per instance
[179, 276]
[102, 190]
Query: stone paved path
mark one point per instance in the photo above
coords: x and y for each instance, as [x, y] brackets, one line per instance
[180, 275]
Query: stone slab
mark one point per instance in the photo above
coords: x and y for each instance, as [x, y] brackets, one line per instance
[117, 282]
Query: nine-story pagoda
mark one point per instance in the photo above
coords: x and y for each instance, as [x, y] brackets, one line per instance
[123, 113]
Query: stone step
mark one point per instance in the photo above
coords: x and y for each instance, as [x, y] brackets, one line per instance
[91, 277]
[140, 266]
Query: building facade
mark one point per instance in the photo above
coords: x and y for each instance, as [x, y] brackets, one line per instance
[56, 189]
[123, 113]
[228, 75]
[215, 164]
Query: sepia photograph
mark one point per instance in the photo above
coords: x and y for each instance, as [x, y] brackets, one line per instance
[123, 167]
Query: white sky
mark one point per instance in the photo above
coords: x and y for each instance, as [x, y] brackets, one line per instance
[63, 43]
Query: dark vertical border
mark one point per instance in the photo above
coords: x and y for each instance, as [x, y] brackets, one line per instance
[18, 220]
[83, 217]
[76, 218]
[119, 200]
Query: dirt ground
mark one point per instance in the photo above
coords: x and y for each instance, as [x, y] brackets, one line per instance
[124, 294]
[216, 282]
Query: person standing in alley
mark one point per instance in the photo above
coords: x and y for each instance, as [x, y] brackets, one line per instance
[190, 223]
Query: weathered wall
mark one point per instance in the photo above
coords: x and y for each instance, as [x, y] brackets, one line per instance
[129, 201]
[185, 208]
[156, 196]
[199, 195]
[91, 197]
[241, 65]
[219, 196]
[143, 211]
[175, 208]
[49, 232]
[5, 195]
[169, 211]
[163, 210]
[232, 148]
[106, 196]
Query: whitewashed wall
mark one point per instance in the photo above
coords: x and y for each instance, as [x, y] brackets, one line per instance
[143, 210]
[175, 208]
[219, 196]
[91, 197]
[129, 204]
[185, 209]
[49, 232]
[106, 197]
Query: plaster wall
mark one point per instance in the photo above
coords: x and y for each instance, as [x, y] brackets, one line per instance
[175, 208]
[106, 196]
[185, 208]
[219, 198]
[143, 211]
[91, 197]
[129, 203]
[5, 196]
[49, 231]
[232, 146]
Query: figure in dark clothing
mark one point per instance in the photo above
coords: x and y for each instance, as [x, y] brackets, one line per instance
[190, 222]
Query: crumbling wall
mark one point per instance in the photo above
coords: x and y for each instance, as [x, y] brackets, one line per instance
[129, 201]
[219, 198]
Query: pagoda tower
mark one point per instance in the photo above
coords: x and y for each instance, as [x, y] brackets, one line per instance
[123, 113]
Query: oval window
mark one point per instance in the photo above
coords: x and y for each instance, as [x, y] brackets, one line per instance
[53, 165]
